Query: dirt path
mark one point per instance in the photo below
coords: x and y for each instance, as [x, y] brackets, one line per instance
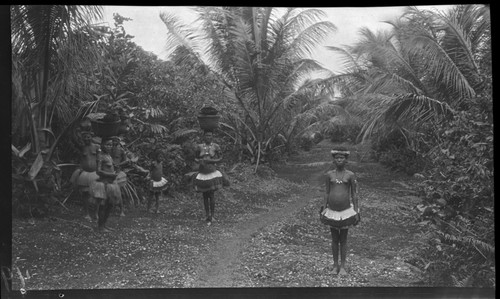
[223, 267]
[219, 268]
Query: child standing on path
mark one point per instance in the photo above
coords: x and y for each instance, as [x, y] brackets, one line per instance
[342, 209]
[158, 183]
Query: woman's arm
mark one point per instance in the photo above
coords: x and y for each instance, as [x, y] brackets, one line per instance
[327, 188]
[354, 189]
[217, 157]
[101, 172]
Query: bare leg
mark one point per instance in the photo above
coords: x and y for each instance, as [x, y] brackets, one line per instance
[343, 251]
[157, 198]
[206, 204]
[122, 204]
[104, 212]
[150, 201]
[85, 196]
[212, 204]
[335, 248]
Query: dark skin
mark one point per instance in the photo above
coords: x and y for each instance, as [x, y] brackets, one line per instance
[156, 194]
[88, 162]
[341, 187]
[207, 139]
[119, 156]
[107, 174]
[212, 158]
[120, 159]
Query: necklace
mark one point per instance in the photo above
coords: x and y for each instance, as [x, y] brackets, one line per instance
[341, 180]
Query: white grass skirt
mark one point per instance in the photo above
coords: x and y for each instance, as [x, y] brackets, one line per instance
[208, 182]
[159, 185]
[339, 219]
[339, 215]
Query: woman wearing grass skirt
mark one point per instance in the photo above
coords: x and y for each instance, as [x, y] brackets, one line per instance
[120, 160]
[86, 174]
[342, 209]
[105, 190]
[208, 180]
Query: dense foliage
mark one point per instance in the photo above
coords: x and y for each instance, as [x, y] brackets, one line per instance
[260, 55]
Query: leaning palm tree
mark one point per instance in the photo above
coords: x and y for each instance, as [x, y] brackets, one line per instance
[423, 69]
[260, 55]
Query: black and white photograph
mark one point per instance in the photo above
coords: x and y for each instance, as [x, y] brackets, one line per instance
[250, 151]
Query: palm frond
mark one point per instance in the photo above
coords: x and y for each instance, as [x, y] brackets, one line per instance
[180, 34]
[349, 62]
[307, 40]
[485, 249]
[412, 110]
[465, 282]
[157, 128]
[443, 67]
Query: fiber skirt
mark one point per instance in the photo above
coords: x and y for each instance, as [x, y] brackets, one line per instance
[208, 182]
[339, 219]
[158, 185]
[83, 179]
[106, 192]
[121, 179]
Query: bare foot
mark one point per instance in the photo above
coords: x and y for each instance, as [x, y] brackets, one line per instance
[335, 268]
[103, 230]
[342, 271]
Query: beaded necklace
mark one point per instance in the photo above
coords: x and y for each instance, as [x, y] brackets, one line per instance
[341, 180]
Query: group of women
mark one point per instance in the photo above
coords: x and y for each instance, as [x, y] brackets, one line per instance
[99, 179]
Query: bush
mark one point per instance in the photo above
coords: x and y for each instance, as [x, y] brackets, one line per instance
[347, 133]
[393, 152]
[402, 159]
[462, 246]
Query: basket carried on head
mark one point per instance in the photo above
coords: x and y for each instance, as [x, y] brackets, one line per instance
[208, 118]
[104, 125]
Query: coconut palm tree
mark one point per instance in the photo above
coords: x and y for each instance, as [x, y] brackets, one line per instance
[426, 67]
[261, 55]
[52, 47]
[49, 43]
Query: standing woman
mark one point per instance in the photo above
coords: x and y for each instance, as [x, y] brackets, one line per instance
[209, 179]
[105, 189]
[86, 174]
[120, 160]
[342, 209]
